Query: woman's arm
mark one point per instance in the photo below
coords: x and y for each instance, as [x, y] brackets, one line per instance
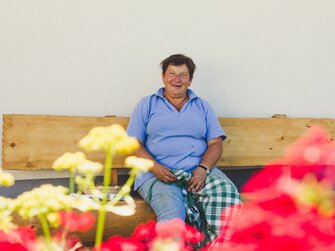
[213, 153]
[209, 160]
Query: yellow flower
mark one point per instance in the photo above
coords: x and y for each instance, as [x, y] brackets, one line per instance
[112, 138]
[43, 200]
[311, 192]
[101, 138]
[69, 161]
[6, 179]
[84, 183]
[127, 145]
[89, 167]
[6, 208]
[84, 203]
[139, 164]
[54, 219]
[124, 210]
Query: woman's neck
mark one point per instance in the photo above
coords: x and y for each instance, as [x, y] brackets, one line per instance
[177, 102]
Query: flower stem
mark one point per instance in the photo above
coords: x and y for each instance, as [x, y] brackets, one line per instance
[125, 190]
[71, 184]
[108, 170]
[102, 211]
[45, 227]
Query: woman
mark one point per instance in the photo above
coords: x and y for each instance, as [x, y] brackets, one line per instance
[179, 131]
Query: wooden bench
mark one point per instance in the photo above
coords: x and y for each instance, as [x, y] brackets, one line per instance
[33, 142]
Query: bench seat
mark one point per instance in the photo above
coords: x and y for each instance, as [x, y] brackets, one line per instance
[33, 142]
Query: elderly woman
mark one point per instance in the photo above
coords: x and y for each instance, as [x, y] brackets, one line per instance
[178, 130]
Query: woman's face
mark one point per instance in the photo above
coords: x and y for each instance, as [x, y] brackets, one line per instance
[176, 80]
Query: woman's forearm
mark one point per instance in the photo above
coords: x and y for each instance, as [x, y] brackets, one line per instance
[213, 153]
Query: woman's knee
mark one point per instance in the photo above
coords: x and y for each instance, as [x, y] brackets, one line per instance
[167, 202]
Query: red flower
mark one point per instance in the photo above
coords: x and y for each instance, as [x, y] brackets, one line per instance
[283, 205]
[145, 237]
[177, 229]
[17, 239]
[76, 221]
[192, 235]
[285, 242]
[314, 148]
[119, 243]
[258, 233]
[265, 179]
[68, 243]
[313, 153]
[320, 230]
[4, 245]
[273, 218]
[145, 232]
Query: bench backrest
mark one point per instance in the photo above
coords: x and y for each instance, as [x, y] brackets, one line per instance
[35, 141]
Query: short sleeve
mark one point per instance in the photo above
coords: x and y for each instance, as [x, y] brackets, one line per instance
[138, 120]
[214, 128]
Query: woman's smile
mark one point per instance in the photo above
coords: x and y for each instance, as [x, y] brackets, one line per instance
[176, 80]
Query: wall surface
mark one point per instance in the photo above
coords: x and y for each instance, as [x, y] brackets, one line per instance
[99, 57]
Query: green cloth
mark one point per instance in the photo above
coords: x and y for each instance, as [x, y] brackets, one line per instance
[213, 209]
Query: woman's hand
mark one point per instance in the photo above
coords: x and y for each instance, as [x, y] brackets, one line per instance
[197, 180]
[162, 173]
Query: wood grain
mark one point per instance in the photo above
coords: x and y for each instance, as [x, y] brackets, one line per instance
[35, 141]
[256, 141]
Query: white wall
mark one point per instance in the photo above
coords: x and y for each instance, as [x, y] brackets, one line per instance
[255, 58]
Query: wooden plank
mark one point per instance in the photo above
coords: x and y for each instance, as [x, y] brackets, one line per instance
[35, 141]
[114, 224]
[256, 141]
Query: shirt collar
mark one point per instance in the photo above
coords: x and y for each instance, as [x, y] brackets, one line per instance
[191, 94]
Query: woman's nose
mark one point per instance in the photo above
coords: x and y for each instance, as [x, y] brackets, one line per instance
[177, 78]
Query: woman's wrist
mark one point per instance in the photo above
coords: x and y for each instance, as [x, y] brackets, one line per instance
[205, 168]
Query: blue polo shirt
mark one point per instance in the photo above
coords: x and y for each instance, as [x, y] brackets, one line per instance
[176, 139]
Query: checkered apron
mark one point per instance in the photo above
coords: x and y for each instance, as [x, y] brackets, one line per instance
[213, 209]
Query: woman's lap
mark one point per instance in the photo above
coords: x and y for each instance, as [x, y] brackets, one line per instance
[166, 199]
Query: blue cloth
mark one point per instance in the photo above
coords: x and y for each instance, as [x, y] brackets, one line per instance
[176, 139]
[165, 199]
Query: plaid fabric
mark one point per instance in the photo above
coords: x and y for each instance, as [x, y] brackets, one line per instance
[213, 209]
